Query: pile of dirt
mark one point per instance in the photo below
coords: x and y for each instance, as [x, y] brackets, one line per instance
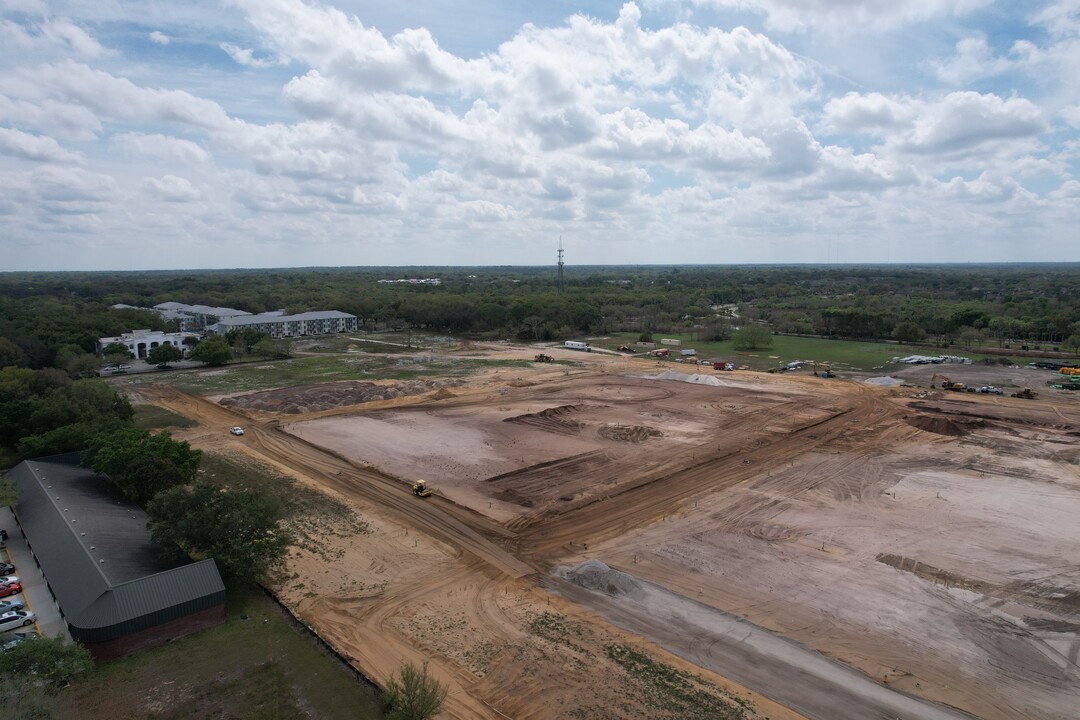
[442, 394]
[312, 398]
[629, 433]
[952, 427]
[595, 575]
[996, 361]
[696, 379]
[551, 419]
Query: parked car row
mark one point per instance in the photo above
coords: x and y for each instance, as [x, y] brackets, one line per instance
[13, 612]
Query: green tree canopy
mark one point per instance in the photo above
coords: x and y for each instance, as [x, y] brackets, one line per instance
[752, 336]
[52, 662]
[213, 351]
[240, 529]
[164, 354]
[142, 464]
[115, 351]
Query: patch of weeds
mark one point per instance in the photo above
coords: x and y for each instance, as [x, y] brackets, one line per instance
[556, 629]
[675, 693]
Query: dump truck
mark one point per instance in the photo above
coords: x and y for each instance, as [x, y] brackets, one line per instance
[420, 489]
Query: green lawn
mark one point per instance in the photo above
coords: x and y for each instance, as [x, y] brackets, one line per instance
[841, 354]
[152, 417]
[244, 377]
[255, 666]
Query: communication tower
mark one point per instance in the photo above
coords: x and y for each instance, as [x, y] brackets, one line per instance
[560, 264]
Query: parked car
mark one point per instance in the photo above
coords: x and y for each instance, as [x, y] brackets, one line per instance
[16, 638]
[10, 589]
[9, 578]
[237, 431]
[3, 534]
[6, 568]
[17, 619]
[11, 604]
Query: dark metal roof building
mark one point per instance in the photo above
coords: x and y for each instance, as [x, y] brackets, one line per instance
[99, 561]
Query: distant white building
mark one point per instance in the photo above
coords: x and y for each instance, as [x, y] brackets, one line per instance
[277, 325]
[140, 342]
[196, 317]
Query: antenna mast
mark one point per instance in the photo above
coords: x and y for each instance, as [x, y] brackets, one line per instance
[560, 264]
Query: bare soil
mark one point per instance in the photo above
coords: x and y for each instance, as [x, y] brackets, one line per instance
[921, 545]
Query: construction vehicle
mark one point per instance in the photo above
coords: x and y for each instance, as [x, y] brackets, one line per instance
[1026, 393]
[542, 358]
[947, 383]
[420, 489]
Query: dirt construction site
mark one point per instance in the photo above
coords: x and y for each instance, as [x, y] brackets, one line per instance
[610, 538]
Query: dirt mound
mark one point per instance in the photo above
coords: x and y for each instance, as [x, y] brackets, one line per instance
[996, 361]
[683, 377]
[551, 419]
[951, 427]
[595, 575]
[442, 394]
[629, 433]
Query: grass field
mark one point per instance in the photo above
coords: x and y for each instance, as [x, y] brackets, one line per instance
[255, 666]
[152, 417]
[841, 354]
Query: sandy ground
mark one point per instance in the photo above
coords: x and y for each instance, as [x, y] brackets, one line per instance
[925, 543]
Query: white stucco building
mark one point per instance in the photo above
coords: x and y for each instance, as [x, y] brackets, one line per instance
[140, 342]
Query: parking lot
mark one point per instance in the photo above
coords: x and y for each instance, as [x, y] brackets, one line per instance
[35, 592]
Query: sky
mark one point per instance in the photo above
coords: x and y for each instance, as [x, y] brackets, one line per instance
[155, 134]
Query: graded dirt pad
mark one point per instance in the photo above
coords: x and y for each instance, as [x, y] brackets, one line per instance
[900, 558]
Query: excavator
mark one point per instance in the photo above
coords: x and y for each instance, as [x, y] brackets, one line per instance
[947, 383]
[420, 489]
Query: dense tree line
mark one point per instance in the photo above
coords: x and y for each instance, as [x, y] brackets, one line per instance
[46, 319]
[45, 412]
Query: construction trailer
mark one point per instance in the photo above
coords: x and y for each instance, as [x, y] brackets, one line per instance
[577, 345]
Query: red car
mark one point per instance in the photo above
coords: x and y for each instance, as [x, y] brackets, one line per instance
[10, 589]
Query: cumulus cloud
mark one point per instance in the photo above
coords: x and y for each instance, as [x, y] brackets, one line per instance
[847, 16]
[957, 122]
[35, 148]
[245, 56]
[155, 145]
[611, 129]
[172, 188]
[973, 60]
[50, 37]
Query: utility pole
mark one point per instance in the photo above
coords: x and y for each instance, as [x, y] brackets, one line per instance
[560, 265]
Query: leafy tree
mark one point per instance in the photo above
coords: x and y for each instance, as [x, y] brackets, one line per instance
[116, 352]
[240, 529]
[413, 694]
[268, 347]
[1072, 343]
[752, 336]
[164, 354]
[52, 662]
[908, 331]
[9, 494]
[10, 353]
[142, 464]
[213, 351]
